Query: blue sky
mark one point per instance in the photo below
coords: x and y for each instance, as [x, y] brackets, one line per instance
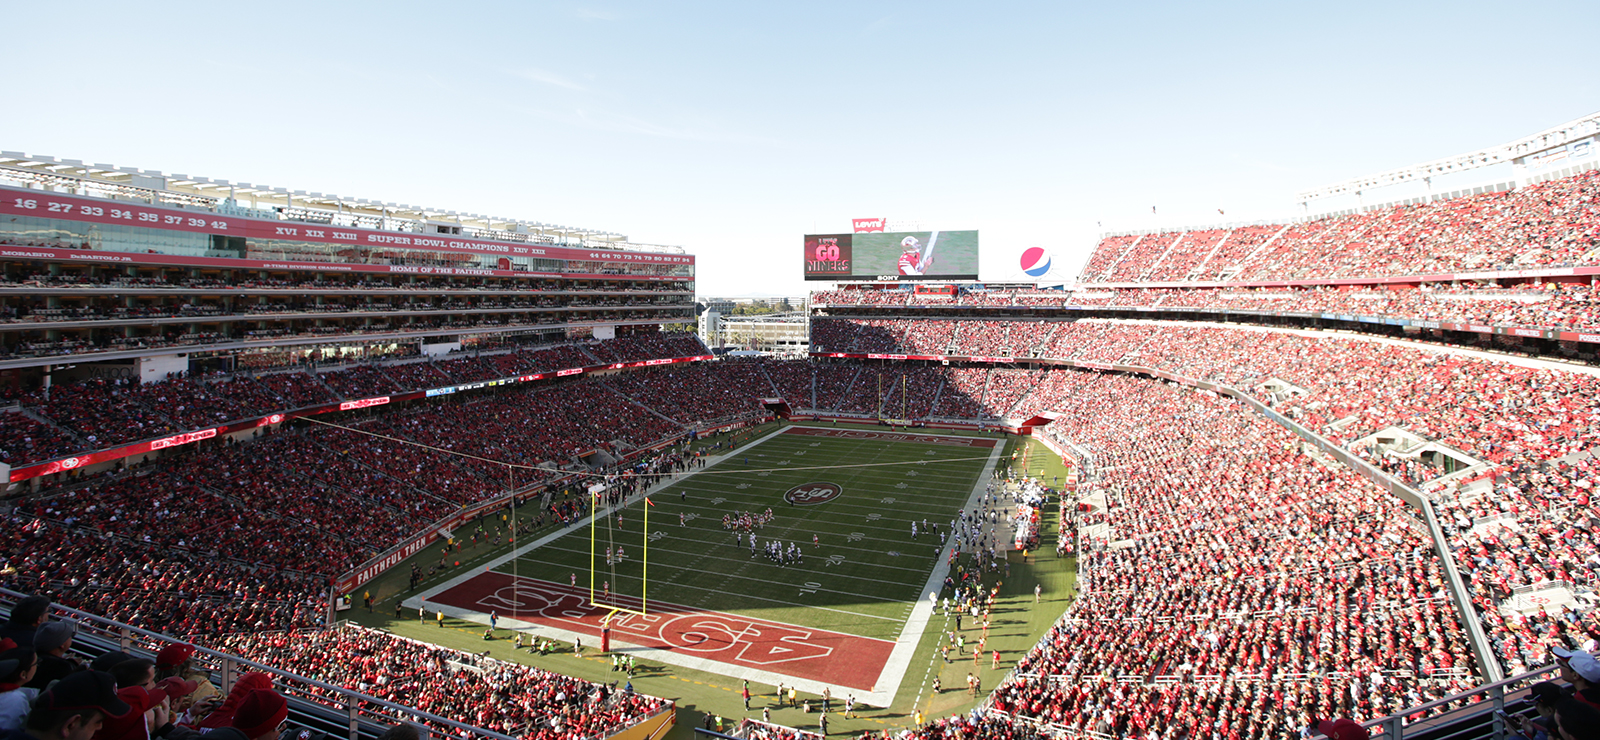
[734, 128]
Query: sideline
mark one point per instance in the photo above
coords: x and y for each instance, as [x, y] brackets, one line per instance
[922, 611]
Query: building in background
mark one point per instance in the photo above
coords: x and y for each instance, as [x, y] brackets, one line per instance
[770, 325]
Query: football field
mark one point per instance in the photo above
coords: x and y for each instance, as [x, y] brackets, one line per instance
[845, 604]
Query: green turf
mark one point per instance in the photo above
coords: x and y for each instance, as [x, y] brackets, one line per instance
[860, 577]
[1018, 622]
[1037, 461]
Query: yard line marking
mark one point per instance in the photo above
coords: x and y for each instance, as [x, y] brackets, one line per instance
[781, 601]
[700, 557]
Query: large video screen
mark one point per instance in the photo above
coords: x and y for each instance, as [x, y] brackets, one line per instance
[905, 255]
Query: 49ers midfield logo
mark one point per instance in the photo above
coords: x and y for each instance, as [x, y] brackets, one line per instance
[813, 493]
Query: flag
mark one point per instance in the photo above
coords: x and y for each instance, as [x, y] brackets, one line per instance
[648, 501]
[1152, 209]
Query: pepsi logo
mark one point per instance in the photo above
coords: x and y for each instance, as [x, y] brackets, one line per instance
[1035, 261]
[807, 494]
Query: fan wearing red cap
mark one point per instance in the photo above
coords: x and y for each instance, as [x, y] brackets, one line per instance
[172, 659]
[149, 711]
[1341, 729]
[223, 715]
[177, 661]
[76, 707]
[179, 692]
[260, 716]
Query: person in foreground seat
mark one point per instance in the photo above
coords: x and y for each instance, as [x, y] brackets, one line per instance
[73, 709]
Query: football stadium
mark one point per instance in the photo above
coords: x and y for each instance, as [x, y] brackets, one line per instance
[290, 465]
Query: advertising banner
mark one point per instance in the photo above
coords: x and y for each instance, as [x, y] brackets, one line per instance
[864, 225]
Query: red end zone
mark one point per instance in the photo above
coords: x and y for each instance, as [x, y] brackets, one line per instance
[927, 439]
[800, 652]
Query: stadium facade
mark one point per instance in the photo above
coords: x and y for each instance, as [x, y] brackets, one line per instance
[106, 263]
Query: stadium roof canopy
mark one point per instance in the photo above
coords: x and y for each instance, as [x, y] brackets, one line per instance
[1559, 136]
[153, 186]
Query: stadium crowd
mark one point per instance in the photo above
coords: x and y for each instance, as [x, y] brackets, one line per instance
[1261, 588]
[244, 535]
[701, 394]
[95, 413]
[1148, 250]
[511, 698]
[1287, 589]
[976, 725]
[904, 336]
[1552, 305]
[507, 697]
[323, 499]
[992, 297]
[962, 394]
[1528, 526]
[1513, 417]
[171, 590]
[1549, 305]
[1352, 386]
[402, 285]
[1540, 224]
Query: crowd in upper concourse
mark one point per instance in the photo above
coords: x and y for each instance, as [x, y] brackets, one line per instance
[1547, 223]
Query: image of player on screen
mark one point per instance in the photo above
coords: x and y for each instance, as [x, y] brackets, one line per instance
[914, 260]
[895, 255]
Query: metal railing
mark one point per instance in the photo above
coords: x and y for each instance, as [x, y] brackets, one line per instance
[1468, 715]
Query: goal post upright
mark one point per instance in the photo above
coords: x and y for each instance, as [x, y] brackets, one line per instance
[594, 535]
[594, 521]
[644, 564]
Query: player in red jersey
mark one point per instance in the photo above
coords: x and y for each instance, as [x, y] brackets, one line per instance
[911, 260]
